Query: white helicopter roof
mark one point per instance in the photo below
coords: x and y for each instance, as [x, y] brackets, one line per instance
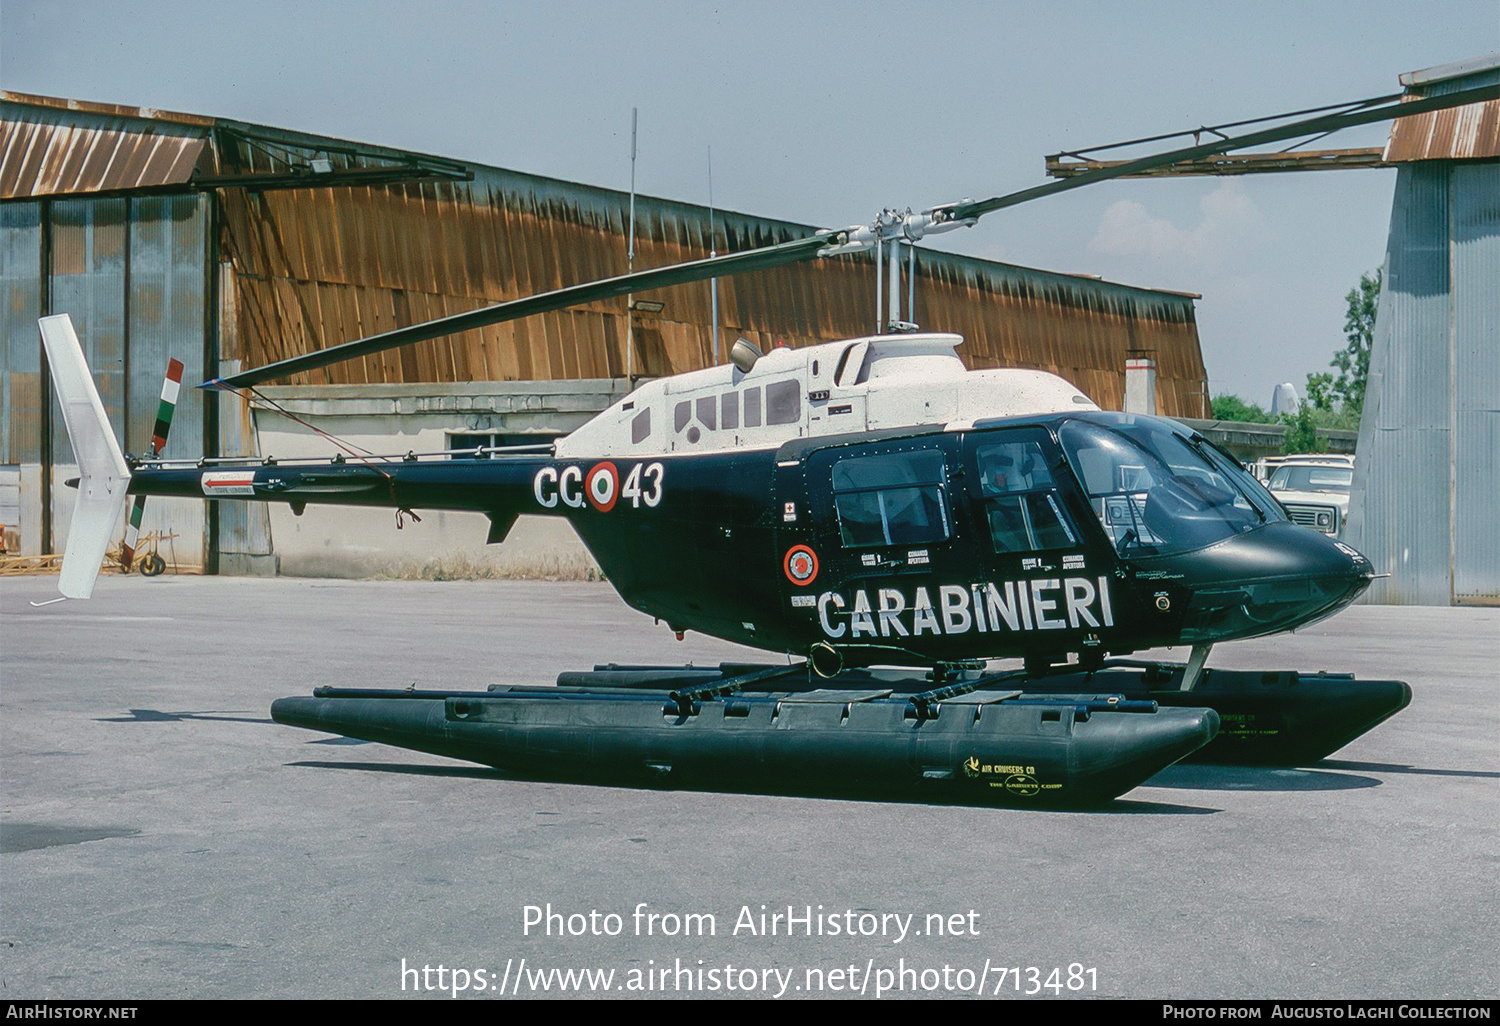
[862, 384]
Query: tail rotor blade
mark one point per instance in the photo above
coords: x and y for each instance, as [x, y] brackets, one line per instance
[164, 410]
[132, 533]
[169, 389]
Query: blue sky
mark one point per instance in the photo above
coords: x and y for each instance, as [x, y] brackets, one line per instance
[827, 112]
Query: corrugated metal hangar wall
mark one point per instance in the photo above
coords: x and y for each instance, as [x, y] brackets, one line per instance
[1426, 497]
[231, 245]
[132, 273]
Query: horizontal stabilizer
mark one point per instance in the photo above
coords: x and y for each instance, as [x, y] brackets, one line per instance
[104, 477]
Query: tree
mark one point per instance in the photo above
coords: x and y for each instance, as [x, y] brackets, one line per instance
[1227, 406]
[1319, 393]
[1302, 431]
[1327, 412]
[1338, 402]
[1353, 361]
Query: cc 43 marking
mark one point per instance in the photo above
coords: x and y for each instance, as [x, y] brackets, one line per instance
[599, 486]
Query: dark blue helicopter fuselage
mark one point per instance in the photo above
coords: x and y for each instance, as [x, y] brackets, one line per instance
[1089, 533]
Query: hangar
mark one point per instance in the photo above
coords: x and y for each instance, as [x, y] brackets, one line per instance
[1425, 503]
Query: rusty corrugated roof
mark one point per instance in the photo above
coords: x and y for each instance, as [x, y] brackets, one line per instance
[1471, 132]
[57, 148]
[117, 110]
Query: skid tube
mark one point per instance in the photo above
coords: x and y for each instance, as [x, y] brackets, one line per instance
[769, 729]
[1267, 718]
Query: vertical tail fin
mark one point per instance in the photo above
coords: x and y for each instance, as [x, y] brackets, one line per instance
[104, 477]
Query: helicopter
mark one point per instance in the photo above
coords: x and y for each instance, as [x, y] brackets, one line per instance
[872, 508]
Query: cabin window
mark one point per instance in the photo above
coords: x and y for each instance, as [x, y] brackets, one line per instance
[784, 402]
[640, 427]
[838, 372]
[891, 500]
[1020, 498]
[708, 412]
[752, 407]
[681, 414]
[729, 414]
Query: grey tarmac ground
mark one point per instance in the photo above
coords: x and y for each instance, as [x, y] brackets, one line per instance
[162, 839]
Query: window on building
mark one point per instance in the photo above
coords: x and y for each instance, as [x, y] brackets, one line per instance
[461, 445]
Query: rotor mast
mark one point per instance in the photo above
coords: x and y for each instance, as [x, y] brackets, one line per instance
[891, 228]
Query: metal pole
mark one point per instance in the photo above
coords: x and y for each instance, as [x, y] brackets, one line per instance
[911, 283]
[879, 282]
[894, 305]
[213, 347]
[713, 283]
[630, 259]
[44, 451]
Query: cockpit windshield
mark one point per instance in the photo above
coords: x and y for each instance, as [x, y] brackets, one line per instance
[1157, 491]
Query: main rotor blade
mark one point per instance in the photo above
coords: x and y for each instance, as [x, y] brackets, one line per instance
[640, 281]
[1379, 109]
[1310, 126]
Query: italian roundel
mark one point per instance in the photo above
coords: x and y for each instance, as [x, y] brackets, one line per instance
[801, 565]
[603, 486]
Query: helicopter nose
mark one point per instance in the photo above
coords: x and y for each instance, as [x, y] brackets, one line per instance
[1282, 550]
[1275, 578]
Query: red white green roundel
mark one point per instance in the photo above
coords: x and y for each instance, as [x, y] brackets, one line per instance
[801, 565]
[603, 486]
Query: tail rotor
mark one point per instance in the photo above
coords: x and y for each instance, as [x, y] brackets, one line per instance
[164, 411]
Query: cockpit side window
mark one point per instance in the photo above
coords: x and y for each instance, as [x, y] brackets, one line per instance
[897, 499]
[1020, 498]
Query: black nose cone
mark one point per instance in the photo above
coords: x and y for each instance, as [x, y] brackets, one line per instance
[1264, 581]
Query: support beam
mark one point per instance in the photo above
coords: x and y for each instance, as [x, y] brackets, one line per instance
[1060, 165]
